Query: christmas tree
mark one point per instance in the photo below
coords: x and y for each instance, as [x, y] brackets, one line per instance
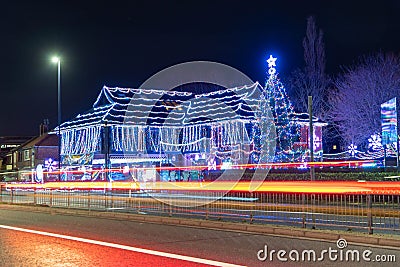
[282, 111]
[263, 134]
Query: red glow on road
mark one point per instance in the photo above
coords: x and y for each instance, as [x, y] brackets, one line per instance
[55, 246]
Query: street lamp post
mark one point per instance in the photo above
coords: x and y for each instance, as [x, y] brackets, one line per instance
[58, 61]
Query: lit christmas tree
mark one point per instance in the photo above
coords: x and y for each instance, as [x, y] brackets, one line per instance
[263, 134]
[282, 110]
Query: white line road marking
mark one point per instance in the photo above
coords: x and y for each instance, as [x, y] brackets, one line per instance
[119, 246]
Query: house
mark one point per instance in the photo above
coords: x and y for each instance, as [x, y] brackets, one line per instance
[140, 128]
[27, 156]
[8, 143]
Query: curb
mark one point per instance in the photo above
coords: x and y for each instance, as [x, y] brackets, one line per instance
[355, 238]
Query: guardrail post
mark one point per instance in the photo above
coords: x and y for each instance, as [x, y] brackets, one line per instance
[51, 197]
[369, 214]
[313, 210]
[252, 209]
[69, 198]
[105, 198]
[303, 204]
[12, 195]
[1, 193]
[34, 196]
[139, 198]
[88, 200]
[112, 199]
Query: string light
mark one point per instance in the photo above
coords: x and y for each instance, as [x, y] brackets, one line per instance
[287, 131]
[375, 142]
[223, 134]
[228, 125]
[80, 141]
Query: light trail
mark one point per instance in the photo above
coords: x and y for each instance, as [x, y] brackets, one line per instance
[303, 165]
[298, 187]
[124, 247]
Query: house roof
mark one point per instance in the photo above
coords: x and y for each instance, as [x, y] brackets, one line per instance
[127, 106]
[42, 140]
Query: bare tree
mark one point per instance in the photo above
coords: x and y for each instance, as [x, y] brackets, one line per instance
[311, 80]
[361, 90]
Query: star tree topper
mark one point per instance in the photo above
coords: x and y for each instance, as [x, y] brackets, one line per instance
[271, 65]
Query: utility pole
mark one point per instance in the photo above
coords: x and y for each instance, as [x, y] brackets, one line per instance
[311, 133]
[312, 168]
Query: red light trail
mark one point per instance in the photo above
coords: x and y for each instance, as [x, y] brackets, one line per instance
[297, 187]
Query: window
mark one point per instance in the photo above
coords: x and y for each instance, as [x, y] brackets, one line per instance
[26, 155]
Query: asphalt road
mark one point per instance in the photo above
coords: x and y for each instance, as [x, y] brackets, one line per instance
[325, 217]
[122, 241]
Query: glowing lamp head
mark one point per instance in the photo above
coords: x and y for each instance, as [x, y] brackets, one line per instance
[55, 59]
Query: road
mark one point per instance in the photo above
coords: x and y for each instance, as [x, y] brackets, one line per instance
[336, 215]
[64, 240]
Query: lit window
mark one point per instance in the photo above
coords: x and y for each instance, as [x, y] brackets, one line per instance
[26, 155]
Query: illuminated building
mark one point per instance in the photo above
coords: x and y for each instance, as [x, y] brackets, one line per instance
[149, 128]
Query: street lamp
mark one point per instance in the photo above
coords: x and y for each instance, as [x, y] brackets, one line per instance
[58, 61]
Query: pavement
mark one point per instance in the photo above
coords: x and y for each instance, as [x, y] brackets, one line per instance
[375, 240]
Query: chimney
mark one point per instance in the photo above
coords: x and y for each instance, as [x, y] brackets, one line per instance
[44, 127]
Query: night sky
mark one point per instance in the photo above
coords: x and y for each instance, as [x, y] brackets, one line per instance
[124, 43]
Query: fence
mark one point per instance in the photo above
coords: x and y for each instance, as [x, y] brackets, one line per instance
[361, 212]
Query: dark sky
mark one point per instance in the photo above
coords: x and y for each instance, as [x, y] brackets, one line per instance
[124, 43]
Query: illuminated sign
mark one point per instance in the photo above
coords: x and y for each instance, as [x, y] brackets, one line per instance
[389, 122]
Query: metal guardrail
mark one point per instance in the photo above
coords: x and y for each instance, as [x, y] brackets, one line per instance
[359, 212]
